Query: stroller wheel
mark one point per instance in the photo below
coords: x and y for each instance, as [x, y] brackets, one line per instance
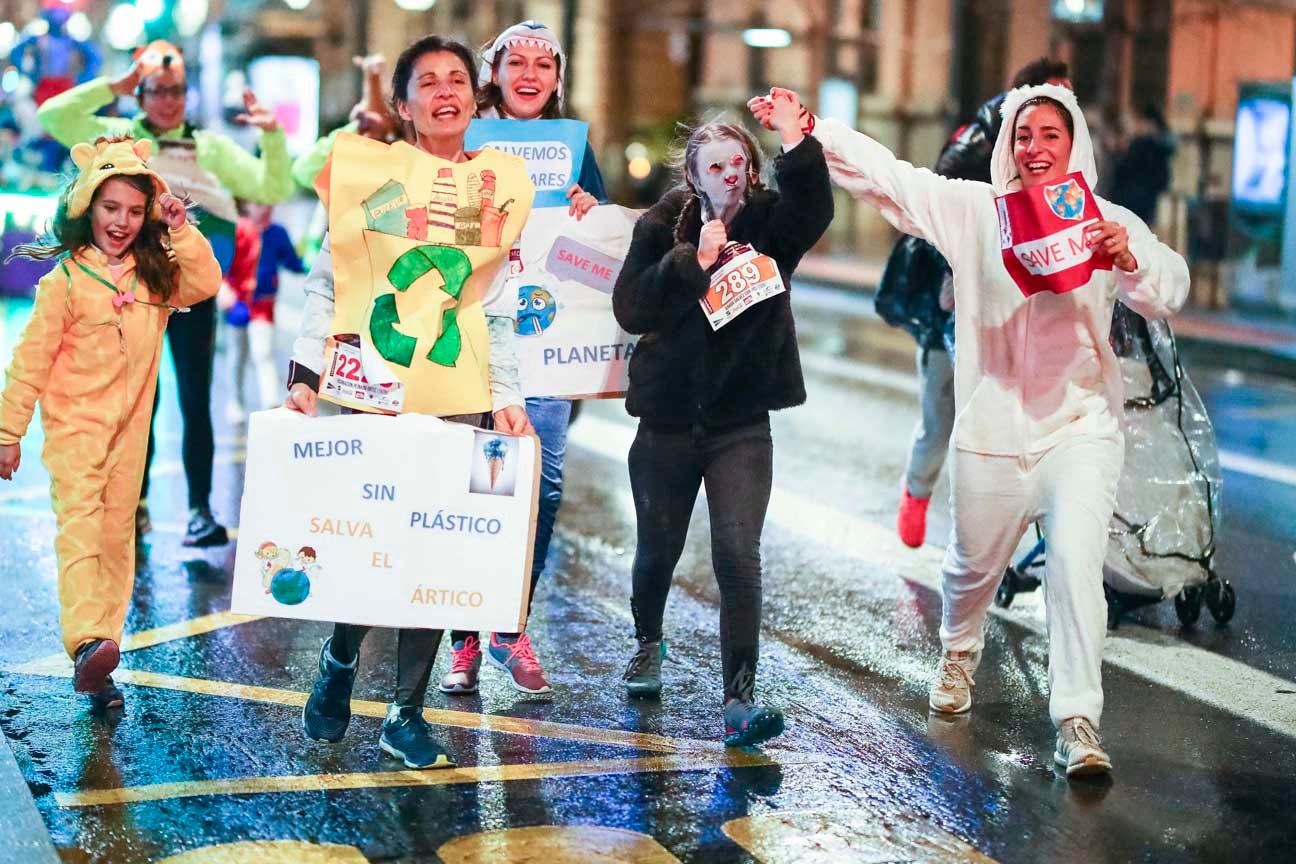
[1188, 605]
[1221, 600]
[1007, 590]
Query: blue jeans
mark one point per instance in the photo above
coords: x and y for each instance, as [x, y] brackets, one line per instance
[550, 418]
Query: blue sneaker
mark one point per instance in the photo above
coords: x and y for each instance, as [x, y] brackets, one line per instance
[407, 736]
[327, 712]
[747, 723]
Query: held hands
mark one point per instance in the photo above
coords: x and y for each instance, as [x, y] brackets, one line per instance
[710, 242]
[581, 202]
[10, 458]
[1111, 239]
[174, 212]
[513, 420]
[782, 112]
[256, 114]
[303, 400]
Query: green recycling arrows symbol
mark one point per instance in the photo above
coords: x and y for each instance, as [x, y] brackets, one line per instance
[396, 347]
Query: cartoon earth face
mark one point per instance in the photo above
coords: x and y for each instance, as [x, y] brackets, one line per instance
[536, 310]
[290, 587]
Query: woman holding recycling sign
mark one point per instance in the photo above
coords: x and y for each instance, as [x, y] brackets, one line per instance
[705, 283]
[1038, 262]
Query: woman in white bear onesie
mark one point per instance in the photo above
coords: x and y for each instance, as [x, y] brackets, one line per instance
[1037, 391]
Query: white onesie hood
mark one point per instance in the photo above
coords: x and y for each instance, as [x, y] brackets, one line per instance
[1003, 168]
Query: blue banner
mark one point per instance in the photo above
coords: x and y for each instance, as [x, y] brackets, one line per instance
[554, 151]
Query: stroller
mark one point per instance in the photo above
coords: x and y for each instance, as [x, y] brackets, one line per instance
[1162, 536]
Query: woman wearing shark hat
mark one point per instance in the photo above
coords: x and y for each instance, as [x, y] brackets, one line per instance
[521, 78]
[1038, 393]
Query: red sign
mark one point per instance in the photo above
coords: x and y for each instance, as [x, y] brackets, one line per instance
[1042, 236]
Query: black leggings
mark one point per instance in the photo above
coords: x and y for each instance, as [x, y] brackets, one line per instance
[416, 652]
[192, 336]
[666, 469]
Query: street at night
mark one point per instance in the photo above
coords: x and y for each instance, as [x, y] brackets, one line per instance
[209, 750]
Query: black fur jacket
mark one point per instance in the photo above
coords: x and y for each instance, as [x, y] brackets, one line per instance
[683, 373]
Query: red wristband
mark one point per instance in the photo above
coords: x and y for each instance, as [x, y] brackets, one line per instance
[807, 121]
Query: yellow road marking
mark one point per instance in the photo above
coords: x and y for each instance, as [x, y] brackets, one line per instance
[184, 629]
[848, 837]
[270, 852]
[438, 716]
[556, 844]
[452, 776]
[60, 665]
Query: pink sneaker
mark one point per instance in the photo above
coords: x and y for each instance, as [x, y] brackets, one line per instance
[516, 657]
[465, 661]
[911, 521]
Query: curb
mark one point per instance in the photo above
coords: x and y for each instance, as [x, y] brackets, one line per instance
[23, 835]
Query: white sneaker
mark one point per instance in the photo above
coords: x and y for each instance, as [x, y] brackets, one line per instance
[1078, 749]
[951, 691]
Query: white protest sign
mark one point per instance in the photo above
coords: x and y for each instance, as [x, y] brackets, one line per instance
[569, 344]
[404, 521]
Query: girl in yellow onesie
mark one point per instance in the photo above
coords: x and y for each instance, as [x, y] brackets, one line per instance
[128, 259]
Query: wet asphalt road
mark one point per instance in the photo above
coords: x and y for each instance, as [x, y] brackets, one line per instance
[208, 752]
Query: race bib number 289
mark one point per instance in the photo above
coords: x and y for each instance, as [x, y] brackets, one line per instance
[744, 278]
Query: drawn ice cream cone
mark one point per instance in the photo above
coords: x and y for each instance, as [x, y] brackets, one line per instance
[496, 452]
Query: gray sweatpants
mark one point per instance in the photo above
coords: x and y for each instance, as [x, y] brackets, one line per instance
[931, 435]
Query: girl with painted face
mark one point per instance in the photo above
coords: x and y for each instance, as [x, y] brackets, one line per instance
[127, 258]
[521, 79]
[1037, 389]
[434, 94]
[703, 394]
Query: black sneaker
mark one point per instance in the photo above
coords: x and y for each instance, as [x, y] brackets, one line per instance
[203, 530]
[642, 676]
[95, 661]
[327, 712]
[407, 736]
[143, 524]
[108, 697]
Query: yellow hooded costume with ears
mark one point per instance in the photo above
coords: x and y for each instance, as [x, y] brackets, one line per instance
[90, 355]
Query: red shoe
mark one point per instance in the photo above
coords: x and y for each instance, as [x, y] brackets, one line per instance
[911, 521]
[515, 656]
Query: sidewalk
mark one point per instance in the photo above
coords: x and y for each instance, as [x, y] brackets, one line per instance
[1223, 338]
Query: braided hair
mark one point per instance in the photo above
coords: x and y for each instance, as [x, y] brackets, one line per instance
[689, 222]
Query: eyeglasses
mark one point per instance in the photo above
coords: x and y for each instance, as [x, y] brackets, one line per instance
[175, 92]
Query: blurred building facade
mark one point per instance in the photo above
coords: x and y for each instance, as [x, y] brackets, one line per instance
[905, 71]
